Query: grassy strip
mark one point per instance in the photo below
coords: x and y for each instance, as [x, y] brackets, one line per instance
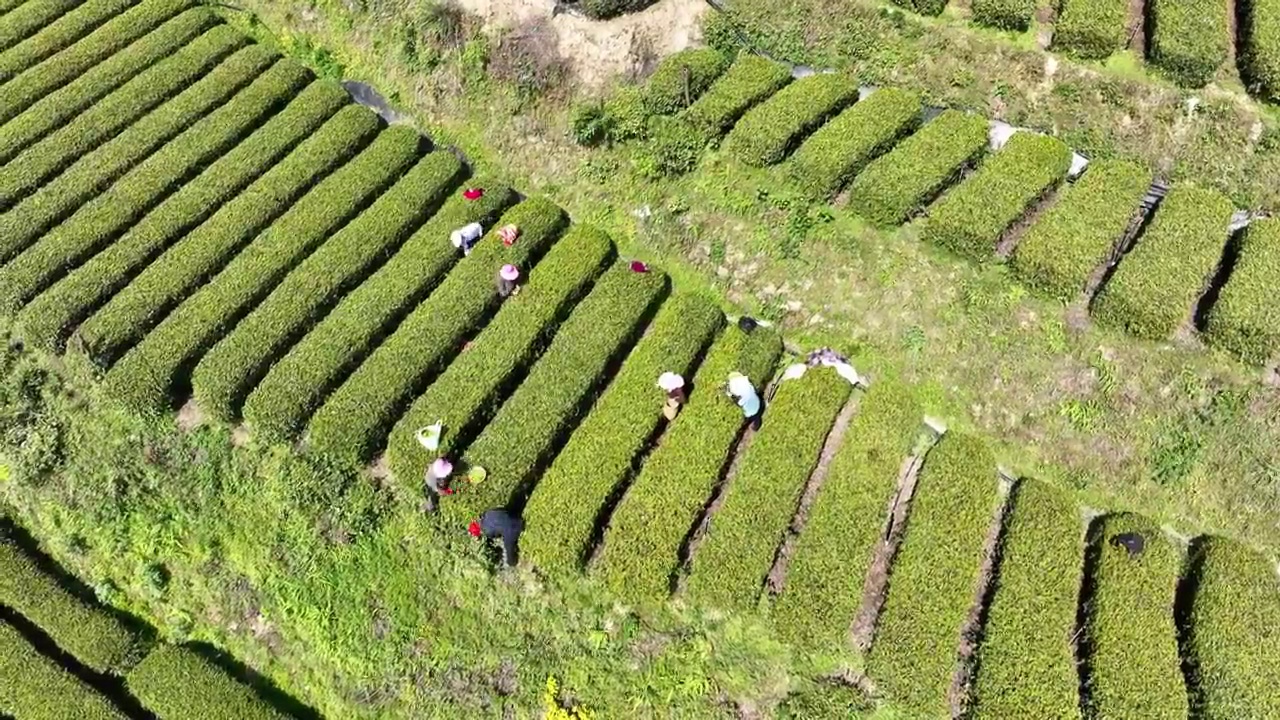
[101, 123]
[57, 109]
[34, 687]
[1260, 47]
[833, 554]
[176, 683]
[896, 185]
[62, 68]
[971, 218]
[298, 384]
[681, 78]
[28, 18]
[924, 7]
[839, 150]
[749, 81]
[641, 549]
[1233, 635]
[229, 373]
[104, 217]
[769, 131]
[206, 249]
[464, 396]
[1091, 29]
[935, 575]
[355, 419]
[1004, 14]
[522, 436]
[1079, 232]
[1026, 663]
[1244, 320]
[560, 517]
[93, 636]
[46, 321]
[145, 378]
[759, 504]
[59, 35]
[1130, 639]
[1157, 282]
[1189, 38]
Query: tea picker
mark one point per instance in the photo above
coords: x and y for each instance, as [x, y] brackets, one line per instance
[436, 483]
[673, 384]
[498, 523]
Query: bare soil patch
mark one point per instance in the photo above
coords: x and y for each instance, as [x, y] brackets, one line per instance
[1136, 27]
[598, 50]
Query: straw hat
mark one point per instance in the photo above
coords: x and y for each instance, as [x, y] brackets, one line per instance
[441, 468]
[510, 273]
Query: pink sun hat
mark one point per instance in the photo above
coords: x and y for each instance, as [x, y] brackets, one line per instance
[441, 468]
[510, 273]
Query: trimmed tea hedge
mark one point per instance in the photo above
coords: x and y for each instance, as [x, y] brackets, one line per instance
[33, 687]
[58, 109]
[924, 7]
[355, 420]
[49, 204]
[1190, 38]
[100, 220]
[1260, 46]
[1091, 29]
[935, 576]
[1233, 634]
[279, 407]
[896, 185]
[465, 396]
[144, 378]
[761, 500]
[86, 134]
[769, 131]
[47, 320]
[749, 81]
[840, 149]
[561, 515]
[832, 556]
[971, 218]
[93, 636]
[58, 35]
[1079, 232]
[641, 549]
[28, 18]
[1244, 319]
[67, 65]
[225, 378]
[1130, 642]
[550, 400]
[176, 683]
[681, 78]
[1157, 282]
[1004, 14]
[1026, 663]
[202, 252]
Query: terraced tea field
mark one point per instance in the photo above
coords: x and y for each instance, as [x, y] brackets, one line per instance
[1192, 42]
[190, 222]
[1152, 260]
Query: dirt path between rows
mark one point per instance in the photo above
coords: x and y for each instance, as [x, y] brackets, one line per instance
[1136, 27]
[835, 440]
[971, 631]
[600, 49]
[877, 581]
